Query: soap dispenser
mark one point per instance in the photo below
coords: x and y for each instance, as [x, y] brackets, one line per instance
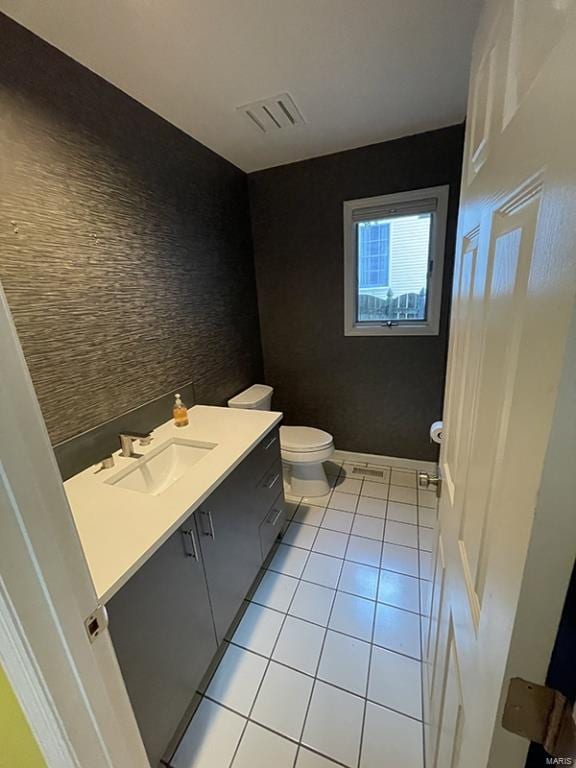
[180, 412]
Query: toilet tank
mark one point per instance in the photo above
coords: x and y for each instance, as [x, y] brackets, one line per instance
[257, 397]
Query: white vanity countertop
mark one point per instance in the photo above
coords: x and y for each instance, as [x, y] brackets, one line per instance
[120, 529]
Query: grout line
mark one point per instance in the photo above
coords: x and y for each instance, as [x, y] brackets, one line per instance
[276, 733]
[336, 590]
[321, 650]
[372, 642]
[359, 536]
[269, 662]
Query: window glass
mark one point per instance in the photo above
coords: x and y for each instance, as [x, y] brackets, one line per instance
[392, 266]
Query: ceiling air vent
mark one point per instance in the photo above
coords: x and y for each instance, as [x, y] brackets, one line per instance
[273, 114]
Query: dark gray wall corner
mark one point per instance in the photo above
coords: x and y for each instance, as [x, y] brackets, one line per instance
[125, 246]
[375, 395]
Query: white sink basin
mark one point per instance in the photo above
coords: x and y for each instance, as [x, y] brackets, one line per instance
[158, 470]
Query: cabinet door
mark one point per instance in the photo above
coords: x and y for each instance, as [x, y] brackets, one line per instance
[162, 630]
[272, 525]
[230, 544]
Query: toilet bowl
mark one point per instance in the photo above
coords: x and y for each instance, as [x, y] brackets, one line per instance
[303, 449]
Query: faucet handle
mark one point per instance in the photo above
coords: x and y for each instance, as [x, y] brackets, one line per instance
[106, 463]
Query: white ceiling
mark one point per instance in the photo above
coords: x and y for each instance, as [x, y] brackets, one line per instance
[360, 71]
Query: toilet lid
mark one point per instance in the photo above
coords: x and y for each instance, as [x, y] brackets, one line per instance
[304, 439]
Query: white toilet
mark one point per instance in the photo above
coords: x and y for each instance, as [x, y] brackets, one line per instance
[303, 449]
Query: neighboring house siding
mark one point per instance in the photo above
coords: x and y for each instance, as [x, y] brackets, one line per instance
[408, 258]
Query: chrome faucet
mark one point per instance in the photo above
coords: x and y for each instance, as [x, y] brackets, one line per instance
[127, 440]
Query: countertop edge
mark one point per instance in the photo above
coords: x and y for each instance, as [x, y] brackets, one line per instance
[109, 593]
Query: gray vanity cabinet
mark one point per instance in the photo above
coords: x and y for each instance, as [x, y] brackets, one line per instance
[271, 526]
[228, 532]
[229, 524]
[162, 630]
[167, 621]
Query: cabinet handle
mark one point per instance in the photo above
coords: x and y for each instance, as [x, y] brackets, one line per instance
[278, 513]
[272, 483]
[211, 523]
[188, 532]
[270, 443]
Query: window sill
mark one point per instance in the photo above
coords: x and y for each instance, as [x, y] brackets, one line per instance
[393, 330]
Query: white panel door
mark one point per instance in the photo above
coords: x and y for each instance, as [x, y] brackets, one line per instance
[513, 298]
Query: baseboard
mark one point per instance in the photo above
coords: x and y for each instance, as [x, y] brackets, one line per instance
[385, 461]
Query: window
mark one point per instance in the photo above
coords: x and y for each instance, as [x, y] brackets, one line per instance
[393, 256]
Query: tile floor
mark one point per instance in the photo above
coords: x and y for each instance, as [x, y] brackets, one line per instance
[324, 668]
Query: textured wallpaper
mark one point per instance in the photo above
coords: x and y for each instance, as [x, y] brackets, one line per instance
[125, 248]
[374, 394]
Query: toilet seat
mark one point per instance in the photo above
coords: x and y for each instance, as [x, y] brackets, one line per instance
[304, 439]
[305, 445]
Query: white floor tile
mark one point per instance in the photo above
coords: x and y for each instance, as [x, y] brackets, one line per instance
[211, 738]
[397, 630]
[289, 560]
[322, 569]
[318, 501]
[371, 507]
[312, 602]
[353, 616]
[369, 527]
[309, 514]
[400, 493]
[366, 551]
[426, 570]
[375, 490]
[426, 538]
[282, 701]
[402, 513]
[261, 748]
[403, 477]
[236, 681]
[299, 535]
[332, 467]
[276, 590]
[400, 559]
[334, 724]
[395, 682]
[307, 759]
[299, 645]
[345, 662]
[258, 629]
[348, 485]
[401, 533]
[330, 543]
[336, 520]
[399, 590]
[361, 580]
[427, 517]
[427, 499]
[390, 740]
[343, 501]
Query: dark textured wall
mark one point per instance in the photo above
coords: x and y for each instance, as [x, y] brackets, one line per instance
[375, 395]
[125, 246]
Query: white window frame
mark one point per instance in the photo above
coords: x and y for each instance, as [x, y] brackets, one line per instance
[430, 200]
